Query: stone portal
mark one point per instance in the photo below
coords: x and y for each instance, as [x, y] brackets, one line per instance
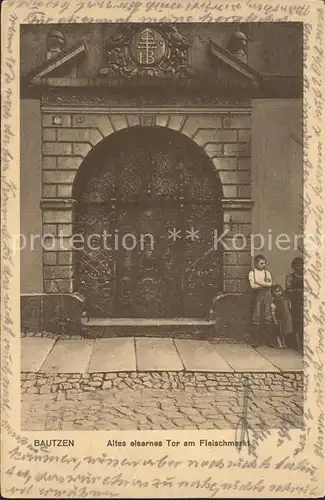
[148, 203]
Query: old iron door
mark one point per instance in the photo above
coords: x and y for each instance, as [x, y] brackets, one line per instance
[158, 191]
[149, 276]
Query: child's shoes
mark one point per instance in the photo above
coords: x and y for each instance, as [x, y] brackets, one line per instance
[279, 343]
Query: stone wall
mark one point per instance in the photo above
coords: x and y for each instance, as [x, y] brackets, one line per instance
[277, 179]
[31, 272]
[68, 137]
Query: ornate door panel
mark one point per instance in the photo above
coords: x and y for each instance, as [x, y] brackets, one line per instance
[202, 264]
[148, 277]
[96, 257]
[156, 194]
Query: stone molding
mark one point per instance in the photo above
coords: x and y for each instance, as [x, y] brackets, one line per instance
[157, 110]
[57, 204]
[237, 204]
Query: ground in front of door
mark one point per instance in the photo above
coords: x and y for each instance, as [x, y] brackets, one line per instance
[146, 383]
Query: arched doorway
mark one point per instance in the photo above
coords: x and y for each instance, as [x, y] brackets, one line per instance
[152, 197]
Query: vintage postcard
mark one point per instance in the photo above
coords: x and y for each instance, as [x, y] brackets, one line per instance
[163, 249]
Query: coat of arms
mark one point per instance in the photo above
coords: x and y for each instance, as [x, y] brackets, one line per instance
[153, 51]
[147, 48]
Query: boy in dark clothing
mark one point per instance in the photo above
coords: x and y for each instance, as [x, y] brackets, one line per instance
[294, 285]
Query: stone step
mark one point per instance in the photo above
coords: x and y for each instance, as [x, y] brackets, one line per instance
[147, 321]
[147, 327]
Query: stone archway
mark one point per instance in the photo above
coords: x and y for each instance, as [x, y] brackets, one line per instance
[70, 133]
[148, 201]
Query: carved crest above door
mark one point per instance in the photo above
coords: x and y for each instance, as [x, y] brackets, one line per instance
[141, 58]
[159, 51]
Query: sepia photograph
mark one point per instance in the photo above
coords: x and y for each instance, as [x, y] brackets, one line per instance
[161, 226]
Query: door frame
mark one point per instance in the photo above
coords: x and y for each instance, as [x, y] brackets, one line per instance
[87, 125]
[207, 193]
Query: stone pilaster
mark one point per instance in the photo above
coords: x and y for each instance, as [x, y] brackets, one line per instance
[237, 217]
[58, 252]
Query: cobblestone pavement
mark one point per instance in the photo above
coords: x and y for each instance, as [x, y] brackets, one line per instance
[158, 401]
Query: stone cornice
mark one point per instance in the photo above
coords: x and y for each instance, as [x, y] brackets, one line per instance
[57, 204]
[48, 68]
[92, 91]
[237, 204]
[228, 59]
[161, 110]
[140, 98]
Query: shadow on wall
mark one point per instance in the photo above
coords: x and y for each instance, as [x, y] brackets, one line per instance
[52, 313]
[231, 314]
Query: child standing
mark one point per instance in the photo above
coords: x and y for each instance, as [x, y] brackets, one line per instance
[281, 317]
[295, 289]
[260, 281]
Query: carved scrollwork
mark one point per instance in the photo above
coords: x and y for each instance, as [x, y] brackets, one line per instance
[135, 51]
